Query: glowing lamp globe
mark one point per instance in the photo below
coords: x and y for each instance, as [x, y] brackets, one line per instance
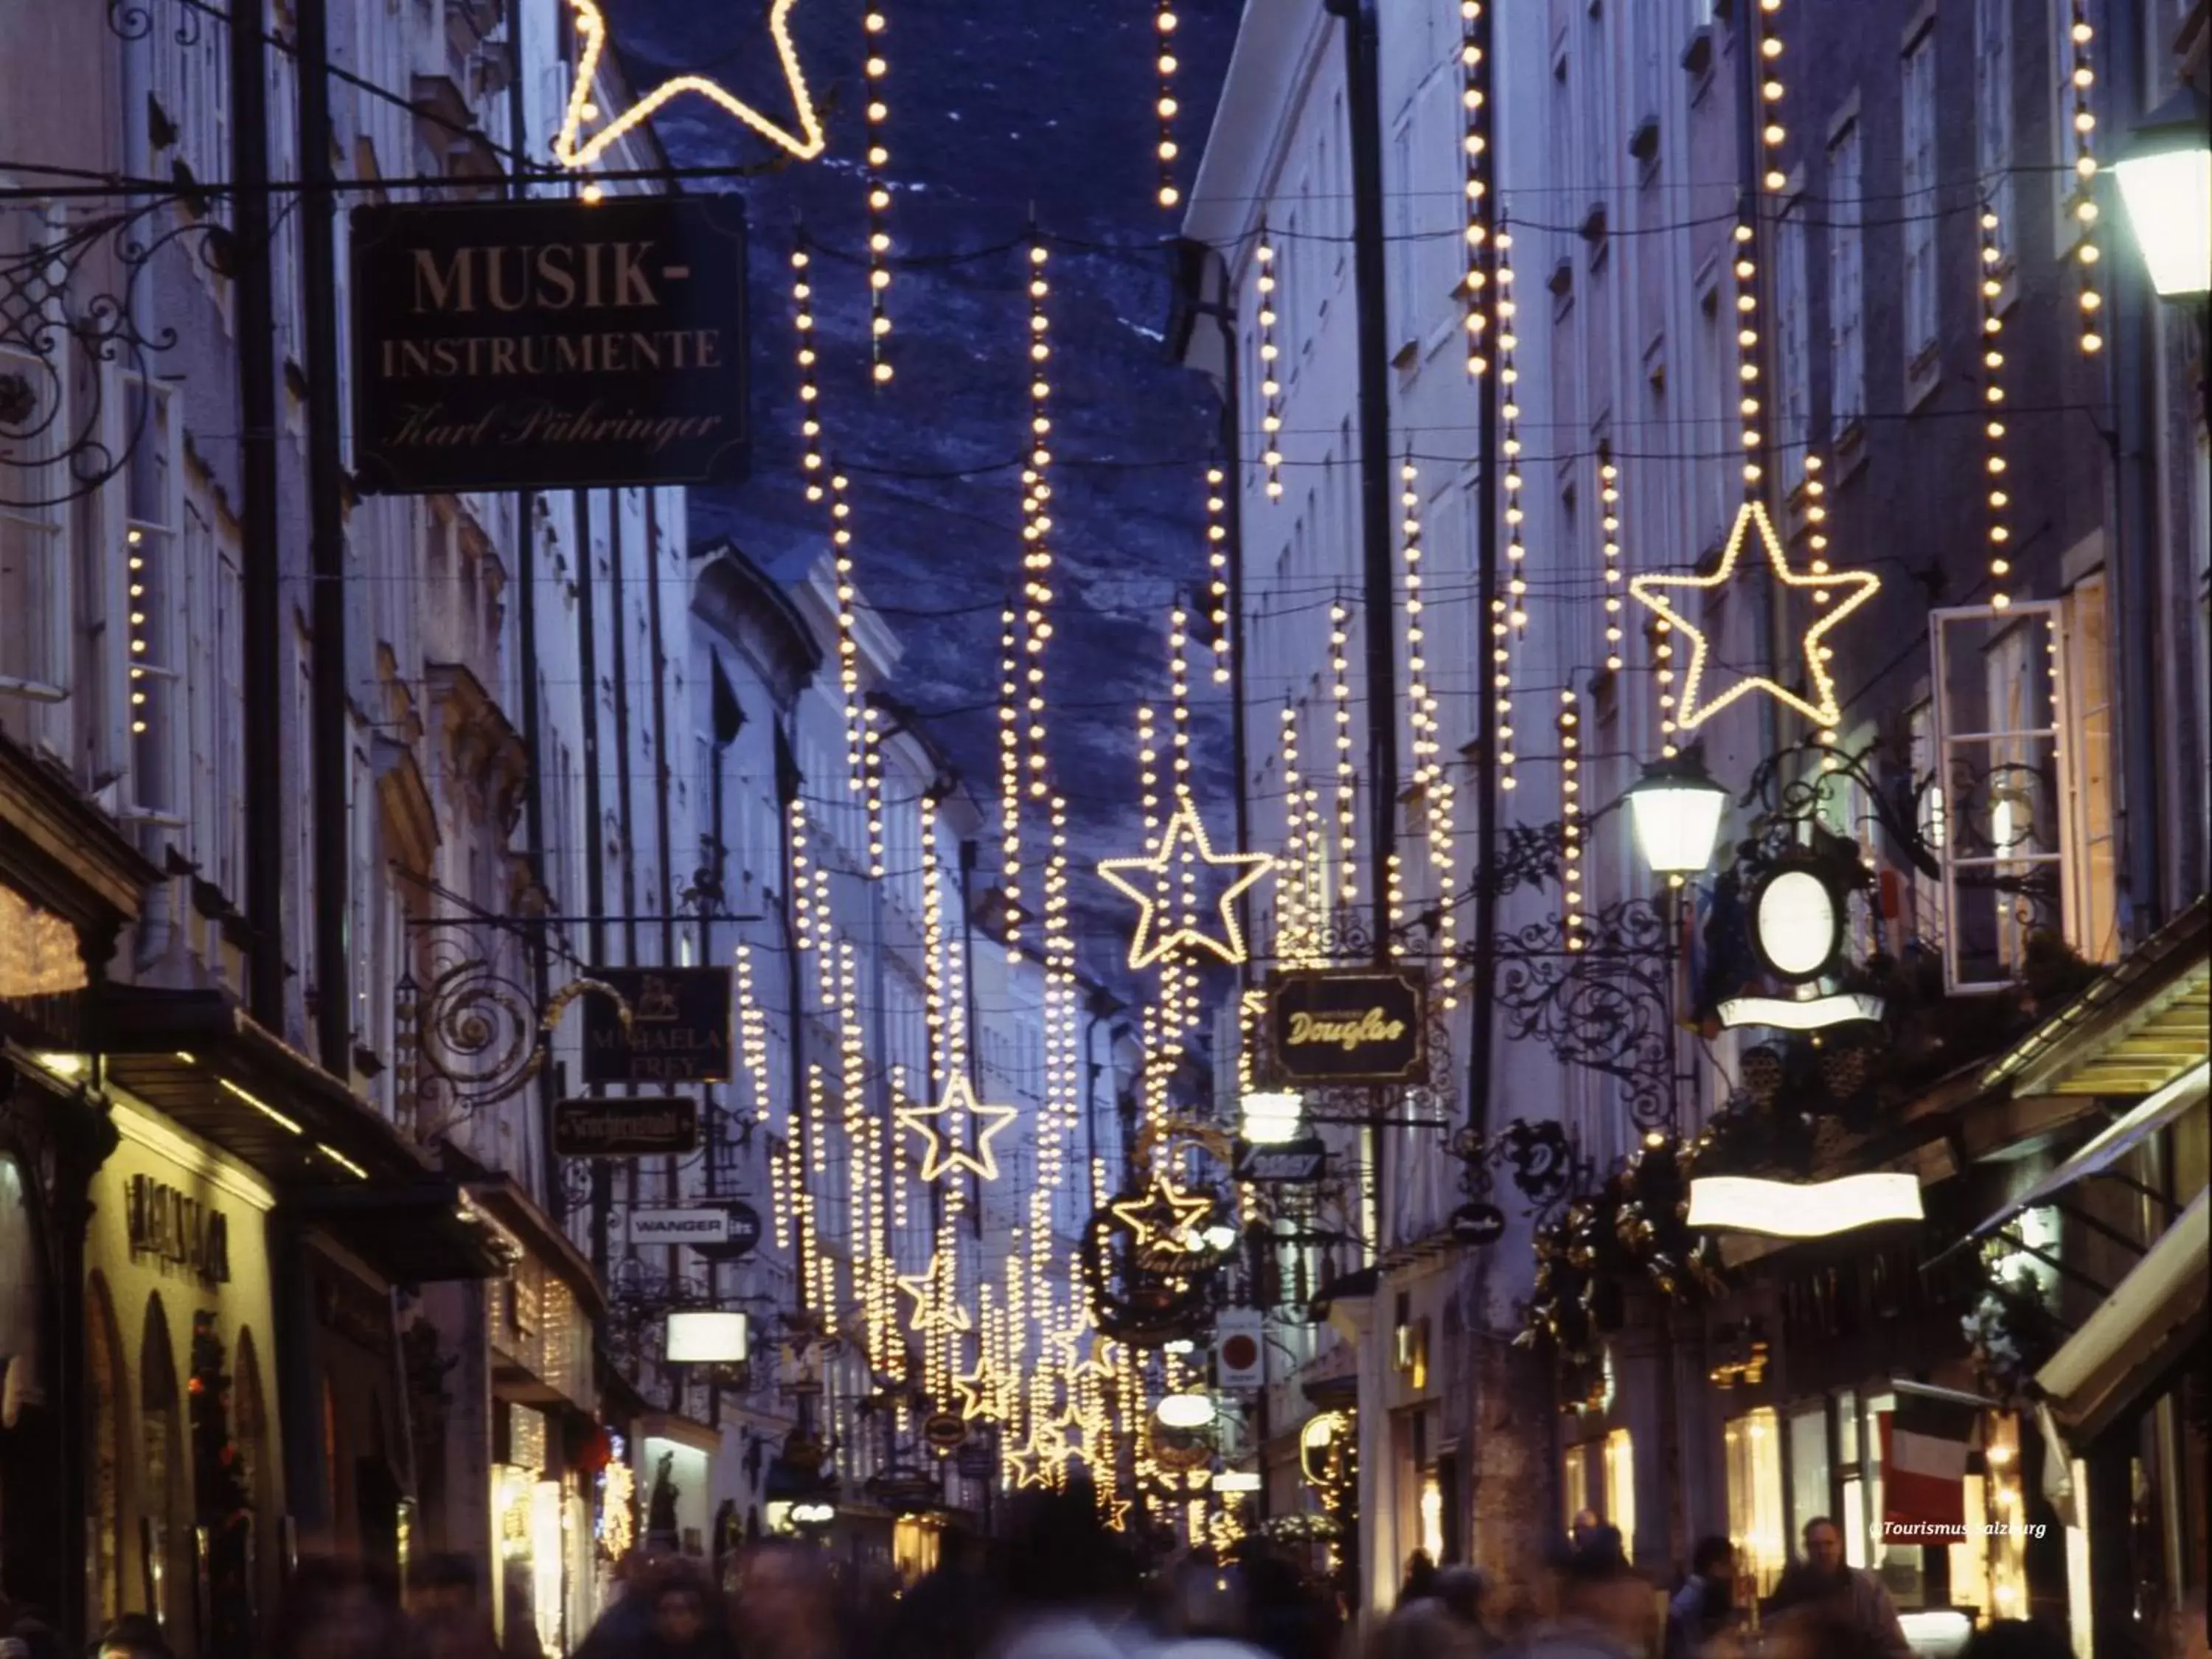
[1185, 1411]
[2165, 175]
[1677, 810]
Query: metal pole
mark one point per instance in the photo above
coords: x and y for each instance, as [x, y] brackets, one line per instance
[261, 564]
[1371, 283]
[330, 743]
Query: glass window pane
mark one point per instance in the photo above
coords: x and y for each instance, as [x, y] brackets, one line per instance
[1808, 1467]
[1620, 1487]
[1756, 1523]
[1847, 1426]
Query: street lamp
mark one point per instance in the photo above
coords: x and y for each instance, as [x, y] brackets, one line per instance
[2165, 182]
[1677, 810]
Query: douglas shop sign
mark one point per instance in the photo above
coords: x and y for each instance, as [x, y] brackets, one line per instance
[507, 344]
[1355, 1027]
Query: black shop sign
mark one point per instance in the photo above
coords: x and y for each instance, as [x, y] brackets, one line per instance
[679, 1026]
[619, 1126]
[552, 344]
[1327, 1026]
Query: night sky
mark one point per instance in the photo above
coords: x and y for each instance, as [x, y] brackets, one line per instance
[1001, 110]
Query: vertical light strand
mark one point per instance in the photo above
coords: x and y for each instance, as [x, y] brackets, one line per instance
[1771, 132]
[1608, 519]
[876, 69]
[135, 571]
[1216, 560]
[1432, 772]
[848, 644]
[1515, 601]
[1009, 776]
[1474, 144]
[1999, 531]
[1745, 268]
[852, 1087]
[802, 886]
[1271, 381]
[1815, 509]
[1036, 528]
[932, 952]
[1294, 879]
[1340, 691]
[2081, 37]
[1164, 105]
[872, 783]
[1571, 819]
[752, 1027]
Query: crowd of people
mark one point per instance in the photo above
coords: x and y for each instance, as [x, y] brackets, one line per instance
[1056, 1585]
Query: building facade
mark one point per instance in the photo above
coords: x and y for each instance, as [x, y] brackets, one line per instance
[1874, 297]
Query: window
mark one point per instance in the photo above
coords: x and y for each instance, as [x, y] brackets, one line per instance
[1574, 1485]
[35, 589]
[1794, 368]
[1808, 1466]
[2092, 922]
[1993, 93]
[1620, 1487]
[1752, 1444]
[1846, 282]
[1917, 203]
[1999, 691]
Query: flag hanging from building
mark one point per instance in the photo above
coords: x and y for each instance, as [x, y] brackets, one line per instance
[1925, 1443]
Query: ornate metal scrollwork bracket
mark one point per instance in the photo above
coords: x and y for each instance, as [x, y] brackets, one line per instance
[473, 1034]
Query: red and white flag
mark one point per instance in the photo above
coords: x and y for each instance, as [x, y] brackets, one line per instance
[1925, 1441]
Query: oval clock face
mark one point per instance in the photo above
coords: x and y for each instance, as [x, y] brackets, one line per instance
[1797, 924]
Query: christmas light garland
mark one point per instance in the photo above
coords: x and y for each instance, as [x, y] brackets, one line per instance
[875, 68]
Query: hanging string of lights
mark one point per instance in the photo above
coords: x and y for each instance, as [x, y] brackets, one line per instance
[1432, 774]
[1570, 818]
[816, 466]
[1217, 558]
[1340, 691]
[1772, 133]
[1609, 511]
[1010, 777]
[1516, 551]
[1999, 532]
[1271, 383]
[1036, 528]
[877, 68]
[1164, 107]
[2081, 37]
[1474, 100]
[752, 1034]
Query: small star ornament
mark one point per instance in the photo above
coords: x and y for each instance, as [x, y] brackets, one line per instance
[574, 148]
[940, 1126]
[1849, 588]
[1155, 938]
[1161, 1218]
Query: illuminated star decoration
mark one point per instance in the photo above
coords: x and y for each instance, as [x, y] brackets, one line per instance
[1853, 588]
[1152, 942]
[573, 148]
[945, 1155]
[932, 1313]
[1181, 1212]
[979, 1393]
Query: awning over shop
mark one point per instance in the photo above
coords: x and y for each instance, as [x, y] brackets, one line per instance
[2111, 1144]
[2130, 1033]
[197, 1058]
[2131, 1345]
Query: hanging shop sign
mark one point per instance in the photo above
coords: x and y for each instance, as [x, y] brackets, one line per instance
[647, 1126]
[1293, 1162]
[700, 1226]
[549, 343]
[175, 1227]
[1327, 1026]
[944, 1431]
[678, 1030]
[1240, 1351]
[743, 1232]
[1478, 1223]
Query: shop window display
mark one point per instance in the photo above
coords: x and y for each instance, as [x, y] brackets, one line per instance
[103, 1355]
[161, 1472]
[223, 1501]
[1756, 1523]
